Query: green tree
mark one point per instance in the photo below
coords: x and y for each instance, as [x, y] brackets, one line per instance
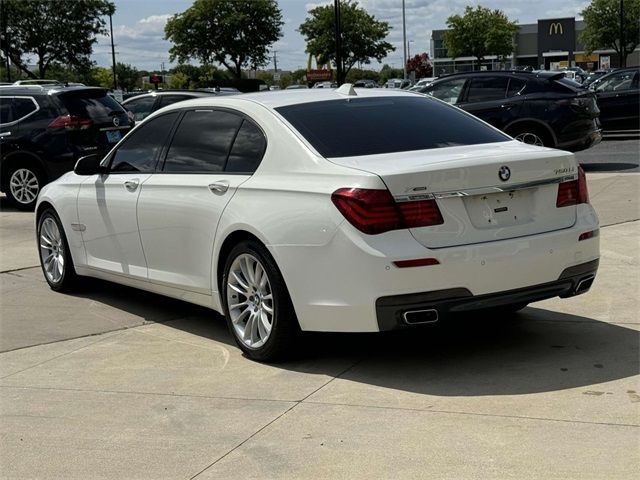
[363, 37]
[480, 32]
[388, 72]
[232, 33]
[127, 76]
[179, 80]
[102, 77]
[602, 27]
[55, 32]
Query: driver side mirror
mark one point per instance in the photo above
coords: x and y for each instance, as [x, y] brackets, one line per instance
[89, 165]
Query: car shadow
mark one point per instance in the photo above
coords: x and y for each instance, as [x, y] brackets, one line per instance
[536, 350]
[609, 167]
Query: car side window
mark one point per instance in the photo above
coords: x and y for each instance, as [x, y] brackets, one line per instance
[141, 107]
[138, 153]
[516, 85]
[202, 141]
[13, 109]
[617, 82]
[5, 110]
[448, 91]
[169, 99]
[487, 88]
[248, 149]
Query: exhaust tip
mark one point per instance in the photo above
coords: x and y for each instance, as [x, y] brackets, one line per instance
[419, 317]
[584, 284]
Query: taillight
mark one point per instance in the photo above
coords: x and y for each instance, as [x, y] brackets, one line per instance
[375, 211]
[574, 191]
[71, 122]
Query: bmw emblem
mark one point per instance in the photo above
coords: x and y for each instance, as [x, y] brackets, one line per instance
[116, 121]
[504, 173]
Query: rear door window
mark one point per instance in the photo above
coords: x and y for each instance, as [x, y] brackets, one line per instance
[139, 151]
[248, 149]
[379, 125]
[487, 88]
[202, 141]
[14, 109]
[449, 90]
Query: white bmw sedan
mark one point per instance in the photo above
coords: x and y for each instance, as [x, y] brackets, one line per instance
[323, 210]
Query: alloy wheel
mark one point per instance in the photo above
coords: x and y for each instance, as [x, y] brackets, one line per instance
[530, 138]
[250, 301]
[52, 250]
[24, 185]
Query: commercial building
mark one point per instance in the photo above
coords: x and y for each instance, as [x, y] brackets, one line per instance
[549, 44]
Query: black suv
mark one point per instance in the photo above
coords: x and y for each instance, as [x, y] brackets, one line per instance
[541, 108]
[44, 129]
[144, 105]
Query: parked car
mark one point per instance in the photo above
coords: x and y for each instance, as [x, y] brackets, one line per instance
[542, 108]
[141, 106]
[398, 83]
[339, 210]
[44, 129]
[325, 85]
[618, 95]
[420, 84]
[365, 84]
[296, 86]
[593, 76]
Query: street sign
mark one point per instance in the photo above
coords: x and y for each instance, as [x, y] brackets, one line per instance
[155, 79]
[276, 77]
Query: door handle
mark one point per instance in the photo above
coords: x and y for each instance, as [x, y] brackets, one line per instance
[219, 187]
[507, 105]
[132, 185]
[5, 134]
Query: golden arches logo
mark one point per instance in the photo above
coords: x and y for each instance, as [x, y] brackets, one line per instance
[555, 27]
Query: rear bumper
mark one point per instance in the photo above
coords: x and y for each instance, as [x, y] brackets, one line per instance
[429, 307]
[576, 139]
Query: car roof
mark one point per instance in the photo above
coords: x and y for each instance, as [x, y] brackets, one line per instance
[544, 74]
[282, 98]
[43, 89]
[162, 93]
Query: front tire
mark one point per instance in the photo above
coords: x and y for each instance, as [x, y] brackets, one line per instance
[55, 257]
[257, 305]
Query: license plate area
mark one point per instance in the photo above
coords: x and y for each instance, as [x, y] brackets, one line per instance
[498, 210]
[113, 136]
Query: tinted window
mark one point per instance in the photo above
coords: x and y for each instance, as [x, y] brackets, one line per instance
[448, 91]
[169, 99]
[23, 107]
[202, 141]
[617, 82]
[368, 126]
[93, 104]
[5, 110]
[141, 107]
[138, 153]
[515, 86]
[247, 149]
[484, 88]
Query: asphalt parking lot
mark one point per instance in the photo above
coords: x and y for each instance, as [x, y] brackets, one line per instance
[112, 382]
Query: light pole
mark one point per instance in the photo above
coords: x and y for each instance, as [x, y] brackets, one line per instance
[623, 58]
[338, 33]
[404, 43]
[113, 54]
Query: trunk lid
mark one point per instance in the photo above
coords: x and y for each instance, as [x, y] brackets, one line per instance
[477, 201]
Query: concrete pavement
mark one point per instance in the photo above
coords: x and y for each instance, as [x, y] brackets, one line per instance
[154, 388]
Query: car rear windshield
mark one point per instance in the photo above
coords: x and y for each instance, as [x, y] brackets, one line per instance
[369, 126]
[93, 104]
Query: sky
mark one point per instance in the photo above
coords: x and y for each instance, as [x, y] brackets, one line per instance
[138, 26]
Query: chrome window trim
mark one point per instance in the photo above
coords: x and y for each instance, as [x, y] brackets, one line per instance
[27, 115]
[483, 190]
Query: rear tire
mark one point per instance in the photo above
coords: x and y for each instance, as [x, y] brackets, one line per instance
[23, 184]
[55, 256]
[257, 305]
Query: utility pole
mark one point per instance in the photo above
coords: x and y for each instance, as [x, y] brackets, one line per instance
[338, 33]
[404, 43]
[113, 54]
[275, 61]
[623, 57]
[6, 39]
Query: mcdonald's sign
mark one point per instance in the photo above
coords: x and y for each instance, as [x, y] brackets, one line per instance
[555, 28]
